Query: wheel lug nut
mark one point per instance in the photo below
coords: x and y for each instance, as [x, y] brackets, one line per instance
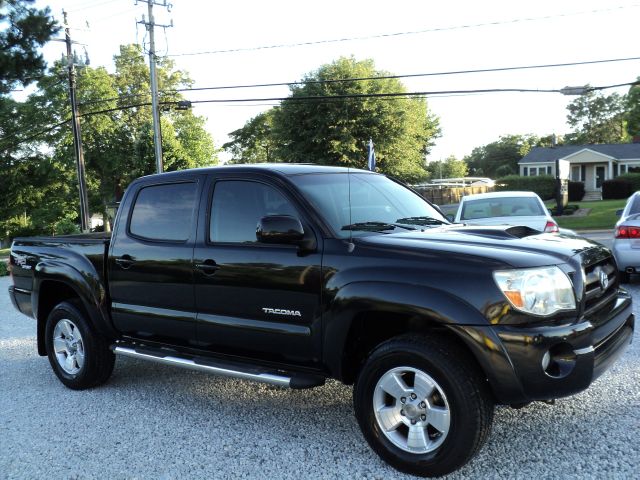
[402, 412]
[423, 417]
[413, 422]
[423, 405]
[413, 396]
[403, 400]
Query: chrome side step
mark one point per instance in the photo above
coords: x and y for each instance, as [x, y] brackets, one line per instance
[245, 372]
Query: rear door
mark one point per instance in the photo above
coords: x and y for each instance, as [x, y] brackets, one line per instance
[150, 262]
[254, 299]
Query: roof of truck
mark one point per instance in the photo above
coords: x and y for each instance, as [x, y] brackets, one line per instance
[286, 169]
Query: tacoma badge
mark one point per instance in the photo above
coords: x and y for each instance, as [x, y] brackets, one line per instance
[282, 311]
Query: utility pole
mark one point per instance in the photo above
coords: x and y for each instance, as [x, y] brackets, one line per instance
[157, 137]
[75, 125]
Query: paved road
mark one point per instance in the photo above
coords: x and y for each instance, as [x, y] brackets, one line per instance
[159, 422]
[604, 237]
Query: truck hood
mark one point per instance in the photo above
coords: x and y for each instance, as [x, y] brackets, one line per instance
[518, 247]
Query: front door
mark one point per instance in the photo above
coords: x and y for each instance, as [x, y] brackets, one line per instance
[254, 299]
[150, 262]
[600, 176]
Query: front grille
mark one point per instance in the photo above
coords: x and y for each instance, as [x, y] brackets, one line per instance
[595, 296]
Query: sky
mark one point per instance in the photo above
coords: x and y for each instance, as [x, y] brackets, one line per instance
[402, 37]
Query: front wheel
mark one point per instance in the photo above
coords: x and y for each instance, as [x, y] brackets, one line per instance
[422, 405]
[79, 357]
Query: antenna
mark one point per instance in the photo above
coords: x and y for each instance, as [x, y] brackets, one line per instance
[350, 245]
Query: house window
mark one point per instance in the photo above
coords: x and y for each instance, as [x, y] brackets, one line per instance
[525, 171]
[549, 170]
[575, 173]
[533, 171]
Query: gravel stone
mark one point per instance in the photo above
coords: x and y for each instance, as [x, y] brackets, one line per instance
[153, 421]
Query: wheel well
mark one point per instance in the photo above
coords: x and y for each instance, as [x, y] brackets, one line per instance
[51, 294]
[370, 329]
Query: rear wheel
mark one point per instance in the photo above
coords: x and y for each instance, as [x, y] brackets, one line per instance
[422, 405]
[79, 357]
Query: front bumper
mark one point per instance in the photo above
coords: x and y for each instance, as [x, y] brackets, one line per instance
[525, 364]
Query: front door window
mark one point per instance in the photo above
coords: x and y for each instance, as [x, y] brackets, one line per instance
[599, 177]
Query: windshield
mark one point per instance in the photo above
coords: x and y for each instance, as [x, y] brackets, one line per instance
[501, 207]
[377, 203]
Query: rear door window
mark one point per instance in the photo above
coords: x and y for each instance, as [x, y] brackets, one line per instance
[164, 212]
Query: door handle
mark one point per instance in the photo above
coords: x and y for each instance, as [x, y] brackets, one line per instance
[208, 267]
[125, 262]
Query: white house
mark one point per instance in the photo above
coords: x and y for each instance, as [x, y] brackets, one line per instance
[591, 164]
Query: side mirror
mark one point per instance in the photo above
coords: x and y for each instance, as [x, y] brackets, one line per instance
[279, 229]
[450, 217]
[619, 212]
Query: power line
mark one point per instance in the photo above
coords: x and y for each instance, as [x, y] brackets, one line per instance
[90, 6]
[412, 75]
[329, 98]
[399, 34]
[34, 136]
[405, 94]
[361, 79]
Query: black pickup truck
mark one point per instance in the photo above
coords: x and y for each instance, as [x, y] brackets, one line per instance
[291, 274]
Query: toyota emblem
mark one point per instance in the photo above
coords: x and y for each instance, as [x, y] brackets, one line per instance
[604, 279]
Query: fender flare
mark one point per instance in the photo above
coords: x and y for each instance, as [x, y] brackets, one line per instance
[429, 304]
[87, 286]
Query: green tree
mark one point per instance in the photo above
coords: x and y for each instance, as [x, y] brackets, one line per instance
[32, 185]
[451, 167]
[117, 128]
[254, 142]
[597, 118]
[633, 110]
[23, 30]
[337, 131]
[501, 157]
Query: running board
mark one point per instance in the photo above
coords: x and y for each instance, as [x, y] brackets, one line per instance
[226, 369]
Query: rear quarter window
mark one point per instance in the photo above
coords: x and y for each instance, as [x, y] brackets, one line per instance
[164, 212]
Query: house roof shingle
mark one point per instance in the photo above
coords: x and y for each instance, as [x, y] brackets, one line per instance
[620, 151]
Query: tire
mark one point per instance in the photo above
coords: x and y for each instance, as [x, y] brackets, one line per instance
[452, 408]
[79, 357]
[624, 277]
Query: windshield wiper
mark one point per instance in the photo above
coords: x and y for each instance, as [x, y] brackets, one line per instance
[423, 221]
[375, 226]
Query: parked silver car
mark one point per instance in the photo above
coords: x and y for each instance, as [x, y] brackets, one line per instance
[506, 208]
[626, 241]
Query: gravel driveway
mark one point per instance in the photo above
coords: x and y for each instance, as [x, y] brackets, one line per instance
[151, 421]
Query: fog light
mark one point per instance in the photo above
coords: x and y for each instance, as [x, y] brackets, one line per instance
[559, 360]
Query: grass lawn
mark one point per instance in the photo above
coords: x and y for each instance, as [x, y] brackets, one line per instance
[4, 252]
[601, 217]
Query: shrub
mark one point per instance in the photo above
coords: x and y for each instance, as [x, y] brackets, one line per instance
[66, 227]
[567, 210]
[4, 270]
[543, 185]
[633, 179]
[576, 191]
[616, 189]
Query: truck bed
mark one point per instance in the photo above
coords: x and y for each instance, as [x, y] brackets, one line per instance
[82, 252]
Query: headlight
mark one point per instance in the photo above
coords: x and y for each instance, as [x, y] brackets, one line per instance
[539, 291]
